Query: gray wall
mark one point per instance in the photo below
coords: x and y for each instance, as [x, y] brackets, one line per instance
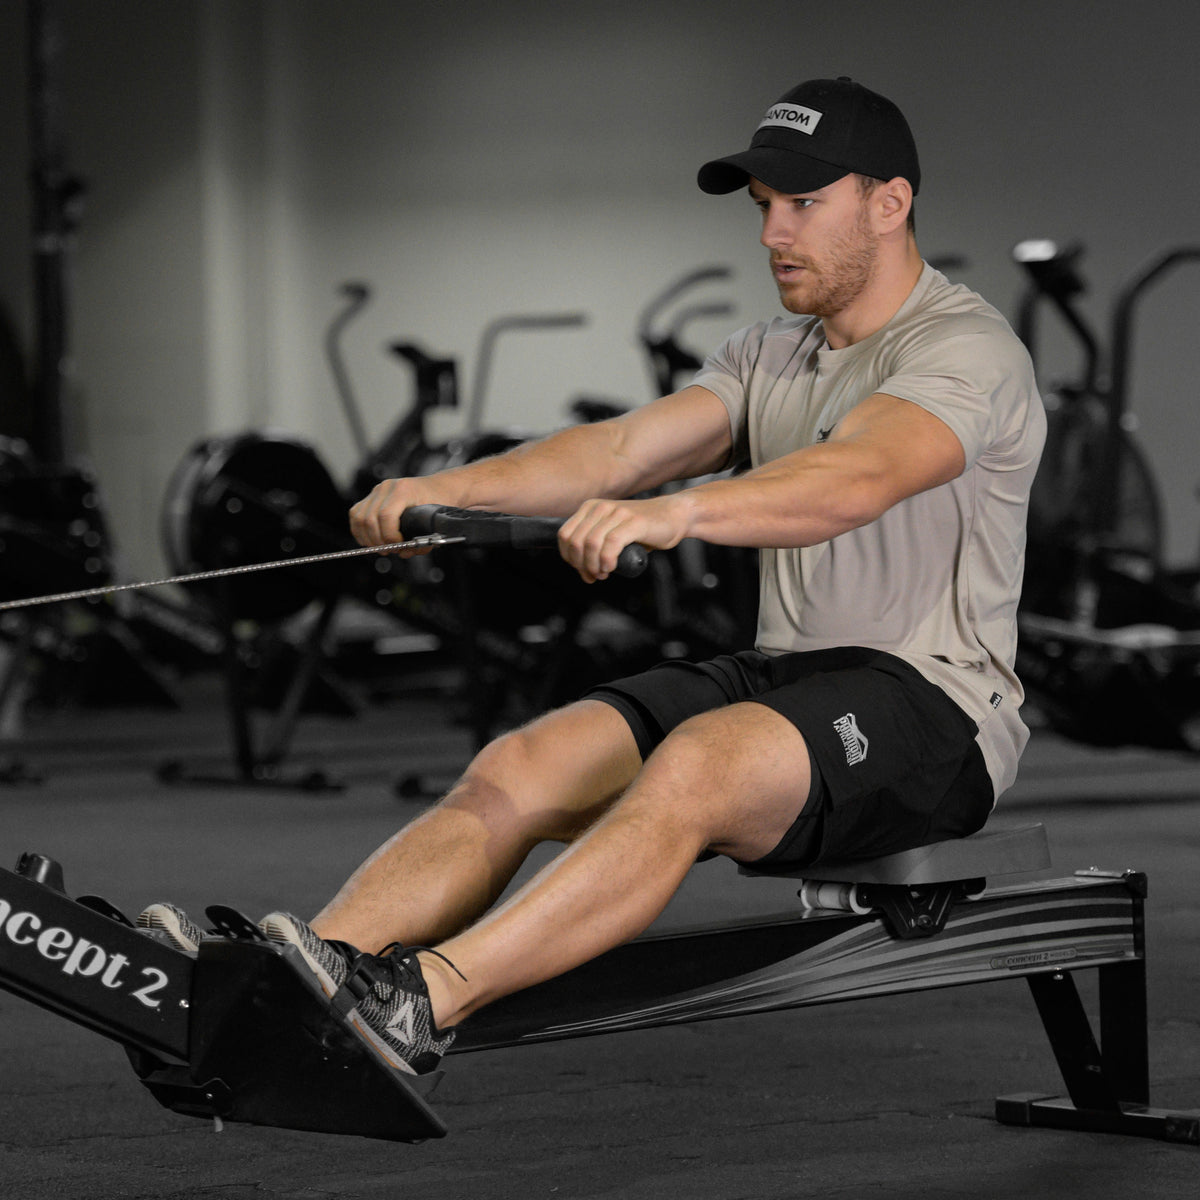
[474, 159]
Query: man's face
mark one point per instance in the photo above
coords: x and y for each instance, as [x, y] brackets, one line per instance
[823, 248]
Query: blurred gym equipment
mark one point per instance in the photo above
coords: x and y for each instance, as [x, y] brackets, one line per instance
[1110, 636]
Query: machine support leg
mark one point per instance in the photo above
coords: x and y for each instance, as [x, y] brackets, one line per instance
[1108, 1083]
[1117, 1070]
[1079, 1057]
[1123, 1029]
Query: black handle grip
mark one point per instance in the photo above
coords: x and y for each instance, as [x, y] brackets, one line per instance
[478, 527]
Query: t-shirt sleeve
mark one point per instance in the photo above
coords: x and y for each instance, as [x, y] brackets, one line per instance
[726, 373]
[977, 378]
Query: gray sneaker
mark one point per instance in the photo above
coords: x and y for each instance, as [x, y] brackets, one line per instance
[384, 995]
[179, 929]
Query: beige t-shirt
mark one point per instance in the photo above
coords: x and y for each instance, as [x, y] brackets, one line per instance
[936, 579]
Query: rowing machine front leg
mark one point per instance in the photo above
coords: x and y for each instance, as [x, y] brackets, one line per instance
[88, 966]
[240, 1031]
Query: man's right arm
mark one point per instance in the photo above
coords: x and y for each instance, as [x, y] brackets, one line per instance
[679, 436]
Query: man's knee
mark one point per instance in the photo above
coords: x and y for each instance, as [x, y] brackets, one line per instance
[502, 762]
[553, 776]
[499, 782]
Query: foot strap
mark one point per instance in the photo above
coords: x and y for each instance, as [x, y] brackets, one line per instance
[354, 990]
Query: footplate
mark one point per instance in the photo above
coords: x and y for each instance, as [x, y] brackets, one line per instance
[241, 1031]
[266, 1048]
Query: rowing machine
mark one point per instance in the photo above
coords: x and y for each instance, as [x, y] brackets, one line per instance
[242, 1032]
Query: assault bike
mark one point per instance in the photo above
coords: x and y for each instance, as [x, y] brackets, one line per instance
[1110, 635]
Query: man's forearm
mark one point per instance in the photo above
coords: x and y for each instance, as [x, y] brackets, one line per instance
[676, 437]
[778, 506]
[882, 452]
[547, 477]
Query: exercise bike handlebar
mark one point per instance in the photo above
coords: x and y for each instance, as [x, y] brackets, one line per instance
[1120, 367]
[357, 296]
[487, 348]
[1127, 299]
[669, 360]
[648, 319]
[478, 527]
[1053, 275]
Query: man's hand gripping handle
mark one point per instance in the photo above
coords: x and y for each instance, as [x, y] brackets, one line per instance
[482, 528]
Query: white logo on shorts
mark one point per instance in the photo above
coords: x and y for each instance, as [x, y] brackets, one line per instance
[853, 739]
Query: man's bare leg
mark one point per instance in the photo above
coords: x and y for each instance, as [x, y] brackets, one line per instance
[732, 780]
[546, 782]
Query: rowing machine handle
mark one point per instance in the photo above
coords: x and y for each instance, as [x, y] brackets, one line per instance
[481, 528]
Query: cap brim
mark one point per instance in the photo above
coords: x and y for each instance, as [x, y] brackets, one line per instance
[783, 170]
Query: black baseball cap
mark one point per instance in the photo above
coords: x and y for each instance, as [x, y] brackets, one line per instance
[815, 134]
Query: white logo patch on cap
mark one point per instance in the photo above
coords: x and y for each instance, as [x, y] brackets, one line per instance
[792, 116]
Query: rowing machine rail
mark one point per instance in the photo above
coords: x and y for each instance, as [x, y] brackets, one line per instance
[242, 1032]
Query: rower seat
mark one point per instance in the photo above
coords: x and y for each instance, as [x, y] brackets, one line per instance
[1005, 850]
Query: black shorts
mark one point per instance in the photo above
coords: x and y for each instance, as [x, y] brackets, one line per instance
[895, 760]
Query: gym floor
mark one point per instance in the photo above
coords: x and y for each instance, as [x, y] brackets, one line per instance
[884, 1098]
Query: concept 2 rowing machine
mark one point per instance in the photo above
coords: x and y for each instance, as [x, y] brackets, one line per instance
[241, 1031]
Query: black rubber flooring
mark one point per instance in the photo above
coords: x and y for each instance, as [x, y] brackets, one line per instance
[889, 1098]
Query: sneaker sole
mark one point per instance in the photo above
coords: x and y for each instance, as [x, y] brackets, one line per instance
[168, 923]
[281, 931]
[379, 1045]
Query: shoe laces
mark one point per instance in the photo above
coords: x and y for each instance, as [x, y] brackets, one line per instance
[404, 957]
[395, 966]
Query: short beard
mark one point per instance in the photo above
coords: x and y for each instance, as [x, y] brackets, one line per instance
[852, 260]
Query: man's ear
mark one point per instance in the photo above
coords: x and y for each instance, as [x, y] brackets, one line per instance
[891, 203]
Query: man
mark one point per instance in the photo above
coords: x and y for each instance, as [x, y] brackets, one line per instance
[893, 429]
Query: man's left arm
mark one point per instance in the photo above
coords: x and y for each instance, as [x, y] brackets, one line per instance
[881, 452]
